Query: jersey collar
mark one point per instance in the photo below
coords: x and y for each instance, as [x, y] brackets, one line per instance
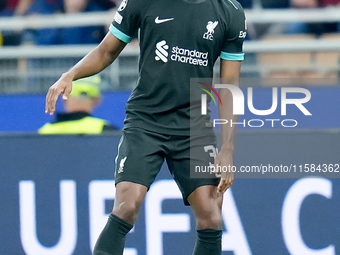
[194, 1]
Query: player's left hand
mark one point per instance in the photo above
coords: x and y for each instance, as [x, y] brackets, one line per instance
[62, 86]
[225, 158]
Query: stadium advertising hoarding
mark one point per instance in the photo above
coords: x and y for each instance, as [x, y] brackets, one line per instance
[56, 194]
[323, 105]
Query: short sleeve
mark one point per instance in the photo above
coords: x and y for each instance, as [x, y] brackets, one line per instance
[232, 46]
[126, 20]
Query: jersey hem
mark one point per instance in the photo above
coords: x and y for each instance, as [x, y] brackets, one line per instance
[167, 131]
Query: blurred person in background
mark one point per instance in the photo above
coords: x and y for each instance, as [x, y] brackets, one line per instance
[313, 28]
[247, 4]
[3, 5]
[13, 8]
[256, 31]
[59, 35]
[52, 36]
[72, 35]
[7, 7]
[77, 118]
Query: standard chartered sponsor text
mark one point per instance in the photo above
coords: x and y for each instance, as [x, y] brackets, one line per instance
[192, 57]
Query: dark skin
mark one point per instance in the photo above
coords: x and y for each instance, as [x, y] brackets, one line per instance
[229, 72]
[206, 201]
[94, 62]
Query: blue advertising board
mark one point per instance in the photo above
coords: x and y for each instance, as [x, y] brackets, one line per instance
[57, 191]
[25, 113]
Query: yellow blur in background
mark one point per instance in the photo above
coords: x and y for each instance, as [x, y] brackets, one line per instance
[1, 40]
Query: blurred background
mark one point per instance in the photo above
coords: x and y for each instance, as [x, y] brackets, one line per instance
[287, 41]
[56, 192]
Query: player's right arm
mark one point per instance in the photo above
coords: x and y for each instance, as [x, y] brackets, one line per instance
[94, 62]
[125, 24]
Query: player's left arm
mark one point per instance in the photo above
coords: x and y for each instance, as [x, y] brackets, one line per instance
[231, 57]
[229, 72]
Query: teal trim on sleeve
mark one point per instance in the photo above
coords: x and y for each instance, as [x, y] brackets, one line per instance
[120, 35]
[232, 56]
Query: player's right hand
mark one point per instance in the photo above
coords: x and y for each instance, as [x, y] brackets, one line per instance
[62, 86]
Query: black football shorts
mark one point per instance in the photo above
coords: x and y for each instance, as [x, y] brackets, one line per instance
[141, 154]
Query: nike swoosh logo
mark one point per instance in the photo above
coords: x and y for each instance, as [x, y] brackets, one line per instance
[158, 21]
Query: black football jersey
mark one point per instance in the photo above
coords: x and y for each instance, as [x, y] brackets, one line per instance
[179, 40]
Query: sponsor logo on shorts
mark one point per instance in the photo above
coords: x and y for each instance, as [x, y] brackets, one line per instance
[213, 151]
[178, 54]
[121, 165]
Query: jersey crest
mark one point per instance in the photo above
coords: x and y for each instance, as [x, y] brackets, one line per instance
[210, 27]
